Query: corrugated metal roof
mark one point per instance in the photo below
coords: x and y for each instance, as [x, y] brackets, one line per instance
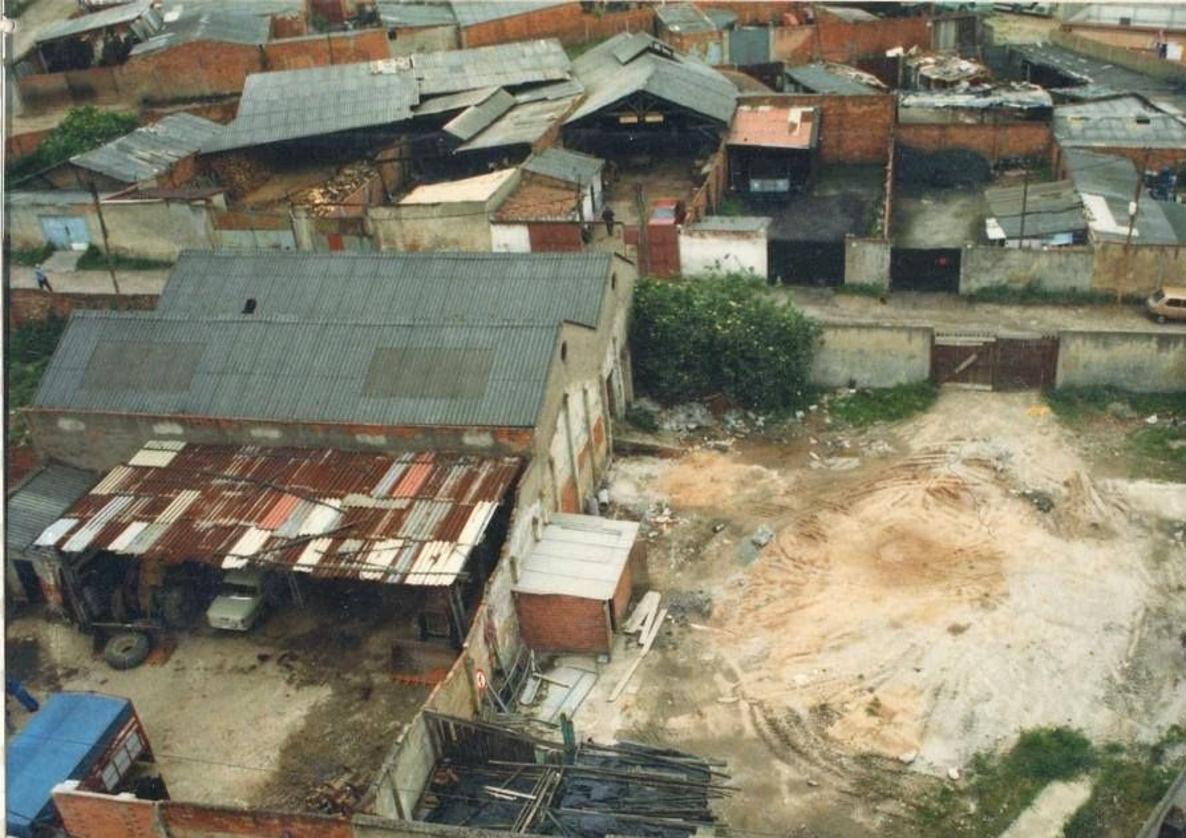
[578, 555]
[766, 126]
[410, 519]
[634, 63]
[473, 12]
[1130, 15]
[1050, 208]
[562, 164]
[151, 150]
[521, 125]
[541, 198]
[478, 117]
[454, 101]
[820, 78]
[1125, 121]
[218, 25]
[501, 65]
[411, 14]
[556, 90]
[684, 18]
[1105, 183]
[291, 104]
[391, 374]
[730, 224]
[478, 288]
[115, 16]
[1099, 78]
[40, 500]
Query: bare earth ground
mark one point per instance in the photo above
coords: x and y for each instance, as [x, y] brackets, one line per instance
[259, 719]
[913, 603]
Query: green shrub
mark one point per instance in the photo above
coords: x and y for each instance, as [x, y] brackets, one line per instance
[1051, 753]
[82, 130]
[32, 256]
[692, 339]
[887, 404]
[861, 289]
[29, 350]
[95, 260]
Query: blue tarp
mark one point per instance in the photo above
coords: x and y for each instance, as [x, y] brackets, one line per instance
[61, 742]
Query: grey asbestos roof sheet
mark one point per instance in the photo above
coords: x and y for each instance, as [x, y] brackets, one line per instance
[478, 117]
[454, 101]
[291, 104]
[684, 18]
[40, 500]
[1143, 15]
[628, 64]
[1049, 208]
[556, 90]
[273, 369]
[1125, 121]
[472, 12]
[115, 16]
[211, 25]
[501, 65]
[521, 124]
[1112, 178]
[819, 79]
[562, 164]
[578, 555]
[484, 288]
[151, 150]
[1099, 78]
[411, 14]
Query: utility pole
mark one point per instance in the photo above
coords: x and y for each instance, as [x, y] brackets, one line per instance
[1025, 192]
[103, 227]
[1133, 207]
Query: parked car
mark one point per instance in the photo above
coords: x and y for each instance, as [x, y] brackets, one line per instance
[1168, 303]
[240, 601]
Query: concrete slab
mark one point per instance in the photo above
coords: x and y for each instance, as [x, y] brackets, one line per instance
[1046, 815]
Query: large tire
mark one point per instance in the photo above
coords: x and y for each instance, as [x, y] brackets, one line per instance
[179, 608]
[127, 650]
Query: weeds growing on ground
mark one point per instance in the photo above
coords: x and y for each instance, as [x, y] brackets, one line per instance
[1158, 450]
[28, 257]
[861, 289]
[884, 405]
[95, 260]
[1035, 294]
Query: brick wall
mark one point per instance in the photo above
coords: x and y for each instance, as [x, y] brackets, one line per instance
[841, 40]
[185, 820]
[756, 11]
[567, 23]
[288, 26]
[554, 623]
[201, 68]
[853, 129]
[1032, 140]
[21, 145]
[86, 815]
[323, 50]
[793, 44]
[621, 600]
[27, 304]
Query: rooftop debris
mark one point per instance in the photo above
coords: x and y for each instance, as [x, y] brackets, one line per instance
[324, 199]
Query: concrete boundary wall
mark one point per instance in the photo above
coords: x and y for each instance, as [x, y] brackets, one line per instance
[1057, 269]
[872, 355]
[867, 261]
[1146, 362]
[1121, 56]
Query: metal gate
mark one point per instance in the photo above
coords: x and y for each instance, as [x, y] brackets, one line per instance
[749, 45]
[988, 362]
[925, 269]
[66, 232]
[805, 263]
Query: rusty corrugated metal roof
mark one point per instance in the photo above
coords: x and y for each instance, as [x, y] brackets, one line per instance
[767, 126]
[409, 519]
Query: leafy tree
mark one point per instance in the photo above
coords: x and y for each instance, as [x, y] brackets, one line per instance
[695, 338]
[82, 129]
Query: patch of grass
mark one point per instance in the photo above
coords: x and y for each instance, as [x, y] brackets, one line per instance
[29, 349]
[730, 207]
[28, 257]
[1078, 404]
[885, 405]
[1163, 450]
[1035, 294]
[1155, 451]
[1000, 787]
[861, 289]
[94, 260]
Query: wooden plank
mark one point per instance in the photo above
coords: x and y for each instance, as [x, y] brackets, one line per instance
[650, 640]
[643, 612]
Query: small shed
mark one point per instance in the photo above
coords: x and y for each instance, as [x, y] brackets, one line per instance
[772, 150]
[87, 737]
[574, 586]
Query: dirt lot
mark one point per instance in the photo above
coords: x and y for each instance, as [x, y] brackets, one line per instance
[260, 719]
[915, 606]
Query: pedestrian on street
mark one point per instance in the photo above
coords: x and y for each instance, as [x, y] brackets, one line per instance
[42, 279]
[607, 215]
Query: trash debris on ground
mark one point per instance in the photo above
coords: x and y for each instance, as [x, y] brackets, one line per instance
[762, 536]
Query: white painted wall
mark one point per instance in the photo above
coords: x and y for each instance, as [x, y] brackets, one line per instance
[510, 238]
[707, 253]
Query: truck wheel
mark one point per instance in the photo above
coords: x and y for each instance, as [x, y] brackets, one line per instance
[179, 608]
[126, 650]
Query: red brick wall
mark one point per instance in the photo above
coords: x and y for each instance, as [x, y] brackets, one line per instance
[853, 129]
[840, 40]
[554, 623]
[570, 496]
[993, 141]
[27, 304]
[322, 50]
[288, 26]
[756, 11]
[621, 600]
[202, 68]
[1157, 157]
[21, 145]
[567, 23]
[101, 816]
[793, 44]
[220, 112]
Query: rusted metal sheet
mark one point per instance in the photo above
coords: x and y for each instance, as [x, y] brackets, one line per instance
[1025, 363]
[408, 519]
[996, 363]
[963, 359]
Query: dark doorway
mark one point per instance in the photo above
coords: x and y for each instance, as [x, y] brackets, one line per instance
[806, 263]
[914, 269]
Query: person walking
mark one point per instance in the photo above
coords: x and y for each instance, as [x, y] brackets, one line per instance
[42, 279]
[607, 215]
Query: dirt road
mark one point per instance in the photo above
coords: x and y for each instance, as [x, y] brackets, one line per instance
[916, 606]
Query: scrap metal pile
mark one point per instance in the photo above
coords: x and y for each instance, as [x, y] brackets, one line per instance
[587, 790]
